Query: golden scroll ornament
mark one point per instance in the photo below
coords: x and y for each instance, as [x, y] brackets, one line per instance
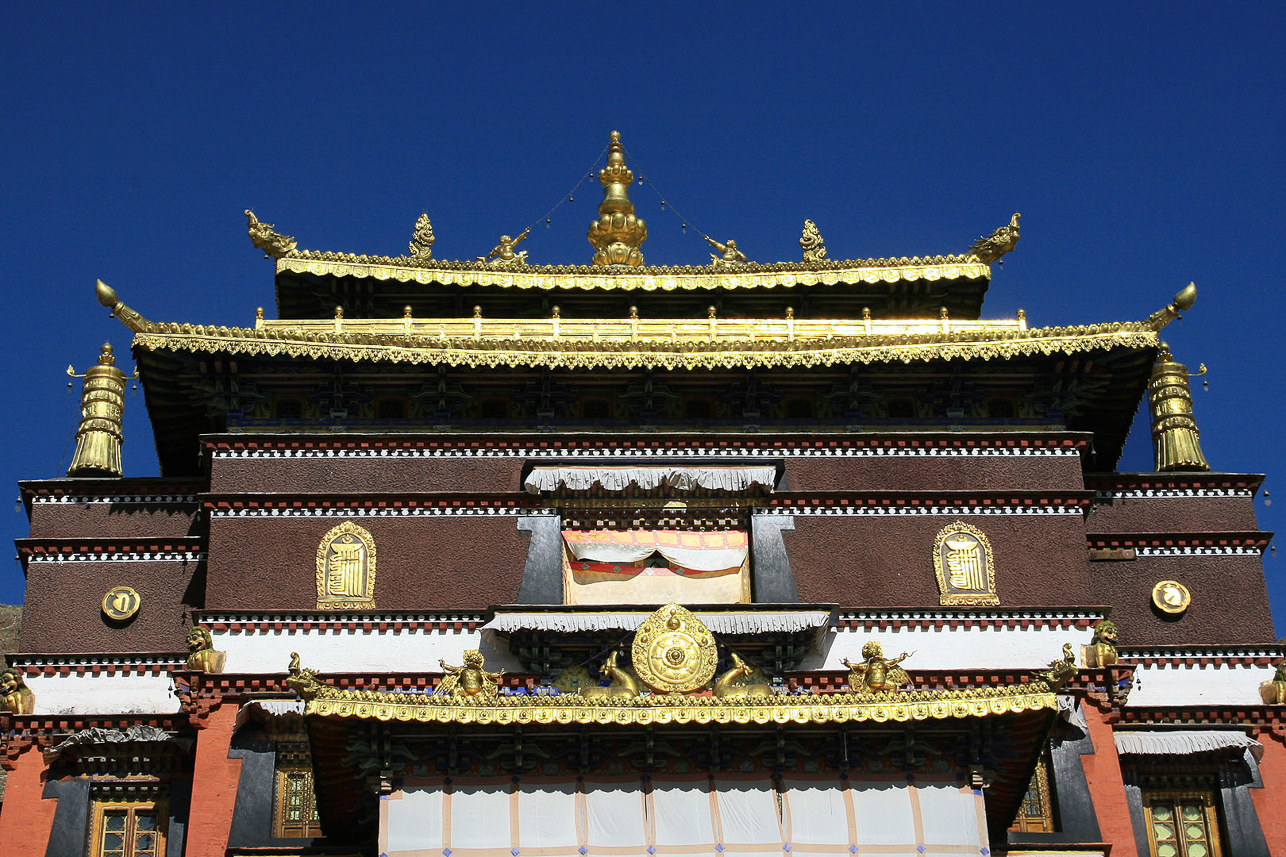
[964, 566]
[121, 603]
[673, 651]
[1171, 596]
[346, 569]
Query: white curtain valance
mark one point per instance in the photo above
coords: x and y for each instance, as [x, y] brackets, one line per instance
[731, 622]
[699, 551]
[548, 479]
[1183, 743]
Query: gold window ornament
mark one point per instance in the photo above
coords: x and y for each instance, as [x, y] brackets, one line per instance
[346, 569]
[1182, 824]
[1036, 814]
[294, 798]
[964, 566]
[127, 829]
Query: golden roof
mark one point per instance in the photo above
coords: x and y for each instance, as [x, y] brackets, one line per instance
[637, 343]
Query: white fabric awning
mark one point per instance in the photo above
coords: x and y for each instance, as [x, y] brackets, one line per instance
[731, 622]
[1183, 743]
[548, 479]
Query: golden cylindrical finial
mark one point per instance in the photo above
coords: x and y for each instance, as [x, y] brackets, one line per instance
[1174, 430]
[102, 401]
[617, 234]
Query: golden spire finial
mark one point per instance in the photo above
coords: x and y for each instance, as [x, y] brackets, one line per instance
[1175, 438]
[102, 401]
[617, 234]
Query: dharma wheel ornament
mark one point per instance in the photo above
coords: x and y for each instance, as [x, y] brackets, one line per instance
[617, 234]
[674, 652]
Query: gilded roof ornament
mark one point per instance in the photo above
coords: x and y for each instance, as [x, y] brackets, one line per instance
[102, 402]
[503, 253]
[811, 243]
[273, 244]
[1183, 301]
[617, 234]
[990, 248]
[1175, 438]
[729, 254]
[421, 247]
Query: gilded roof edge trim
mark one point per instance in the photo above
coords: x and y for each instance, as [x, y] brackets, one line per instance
[651, 354]
[644, 711]
[661, 278]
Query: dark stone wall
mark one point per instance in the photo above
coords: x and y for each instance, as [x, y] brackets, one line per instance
[935, 473]
[887, 561]
[63, 611]
[421, 563]
[1172, 515]
[363, 475]
[1229, 599]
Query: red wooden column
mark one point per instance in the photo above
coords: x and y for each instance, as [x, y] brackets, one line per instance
[1107, 786]
[1270, 801]
[214, 784]
[26, 819]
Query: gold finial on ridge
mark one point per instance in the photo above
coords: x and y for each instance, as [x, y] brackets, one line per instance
[617, 234]
[102, 402]
[1175, 438]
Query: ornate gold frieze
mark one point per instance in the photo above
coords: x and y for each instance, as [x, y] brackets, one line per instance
[964, 566]
[674, 652]
[346, 569]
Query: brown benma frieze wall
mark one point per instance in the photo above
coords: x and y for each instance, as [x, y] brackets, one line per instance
[1171, 515]
[935, 473]
[421, 563]
[1229, 599]
[63, 610]
[887, 561]
[366, 475]
[115, 520]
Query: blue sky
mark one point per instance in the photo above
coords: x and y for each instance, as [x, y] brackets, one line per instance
[1142, 143]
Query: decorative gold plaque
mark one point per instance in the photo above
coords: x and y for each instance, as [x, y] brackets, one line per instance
[121, 603]
[966, 572]
[346, 569]
[673, 651]
[1171, 596]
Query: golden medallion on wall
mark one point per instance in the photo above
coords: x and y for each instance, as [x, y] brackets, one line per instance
[121, 603]
[962, 561]
[346, 569]
[674, 651]
[1171, 596]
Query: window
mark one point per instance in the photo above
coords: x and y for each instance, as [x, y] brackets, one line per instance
[128, 829]
[294, 802]
[1181, 824]
[1037, 811]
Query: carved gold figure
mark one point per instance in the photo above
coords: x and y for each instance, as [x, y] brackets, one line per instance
[102, 402]
[617, 234]
[470, 680]
[727, 688]
[1060, 671]
[730, 255]
[201, 654]
[1101, 652]
[990, 248]
[963, 565]
[301, 681]
[346, 569]
[1175, 438]
[811, 243]
[624, 682]
[876, 673]
[421, 247]
[273, 244]
[1274, 692]
[15, 696]
[673, 651]
[503, 253]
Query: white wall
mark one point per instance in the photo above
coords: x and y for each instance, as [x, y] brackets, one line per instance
[1197, 685]
[85, 693]
[344, 650]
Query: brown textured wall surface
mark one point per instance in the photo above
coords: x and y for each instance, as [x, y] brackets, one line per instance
[943, 473]
[362, 475]
[1229, 599]
[421, 563]
[1172, 515]
[112, 520]
[887, 561]
[63, 611]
